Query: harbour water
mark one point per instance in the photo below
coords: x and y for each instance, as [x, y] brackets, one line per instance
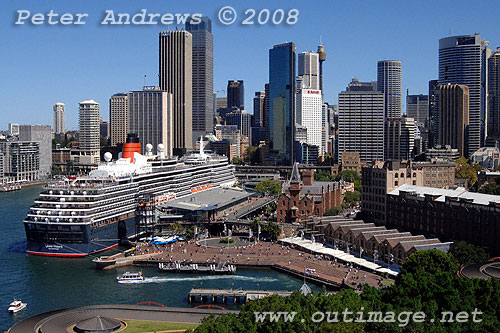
[47, 283]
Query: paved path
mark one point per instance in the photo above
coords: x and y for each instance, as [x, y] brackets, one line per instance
[58, 321]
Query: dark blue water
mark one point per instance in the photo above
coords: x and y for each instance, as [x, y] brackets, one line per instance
[51, 283]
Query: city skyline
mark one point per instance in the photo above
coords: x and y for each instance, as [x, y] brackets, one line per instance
[99, 79]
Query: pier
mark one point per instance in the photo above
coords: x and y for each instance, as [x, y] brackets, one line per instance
[230, 296]
[197, 268]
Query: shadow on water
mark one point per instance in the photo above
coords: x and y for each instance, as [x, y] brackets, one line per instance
[17, 247]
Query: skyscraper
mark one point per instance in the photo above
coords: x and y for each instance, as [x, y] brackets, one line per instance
[282, 99]
[361, 121]
[463, 60]
[308, 69]
[389, 82]
[118, 114]
[494, 96]
[176, 78]
[59, 118]
[267, 124]
[417, 107]
[433, 112]
[235, 95]
[454, 117]
[309, 115]
[203, 77]
[258, 109]
[399, 138]
[150, 116]
[89, 132]
[42, 135]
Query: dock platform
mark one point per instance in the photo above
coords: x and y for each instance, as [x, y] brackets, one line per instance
[230, 296]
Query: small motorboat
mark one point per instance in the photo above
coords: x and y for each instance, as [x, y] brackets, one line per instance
[16, 306]
[130, 277]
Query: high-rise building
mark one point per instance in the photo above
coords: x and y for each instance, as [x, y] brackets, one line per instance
[267, 124]
[89, 133]
[417, 107]
[103, 128]
[43, 135]
[203, 77]
[433, 112]
[258, 109]
[389, 82]
[399, 138]
[151, 117]
[176, 73]
[118, 114]
[20, 161]
[454, 117]
[59, 118]
[361, 121]
[241, 119]
[494, 96]
[282, 99]
[308, 70]
[235, 95]
[309, 105]
[463, 60]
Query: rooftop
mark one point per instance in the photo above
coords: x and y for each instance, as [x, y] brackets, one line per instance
[207, 200]
[460, 193]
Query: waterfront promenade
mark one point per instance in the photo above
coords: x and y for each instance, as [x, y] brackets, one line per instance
[287, 259]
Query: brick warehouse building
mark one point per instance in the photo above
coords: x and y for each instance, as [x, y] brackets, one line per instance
[451, 215]
[302, 199]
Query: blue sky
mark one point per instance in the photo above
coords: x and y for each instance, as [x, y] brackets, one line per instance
[45, 64]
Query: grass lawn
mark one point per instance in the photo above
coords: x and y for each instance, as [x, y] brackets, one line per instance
[387, 283]
[140, 326]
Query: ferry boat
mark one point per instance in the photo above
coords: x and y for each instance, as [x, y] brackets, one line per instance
[17, 306]
[129, 277]
[81, 215]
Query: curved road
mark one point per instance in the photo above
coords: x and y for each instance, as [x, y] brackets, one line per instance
[57, 321]
[482, 270]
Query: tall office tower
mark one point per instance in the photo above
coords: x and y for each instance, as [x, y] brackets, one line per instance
[308, 69]
[241, 119]
[59, 118]
[43, 135]
[463, 60]
[399, 138]
[267, 121]
[322, 58]
[89, 132]
[433, 112]
[417, 107]
[389, 82]
[203, 77]
[494, 96]
[221, 106]
[282, 99]
[118, 114]
[235, 95]
[151, 117]
[454, 108]
[310, 115]
[176, 78]
[361, 121]
[258, 109]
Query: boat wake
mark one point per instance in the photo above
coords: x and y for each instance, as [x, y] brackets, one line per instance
[161, 279]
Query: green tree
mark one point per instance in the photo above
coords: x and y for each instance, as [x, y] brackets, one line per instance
[251, 155]
[323, 176]
[334, 211]
[273, 230]
[177, 227]
[272, 187]
[466, 254]
[491, 188]
[236, 160]
[467, 171]
[351, 197]
[348, 176]
[254, 225]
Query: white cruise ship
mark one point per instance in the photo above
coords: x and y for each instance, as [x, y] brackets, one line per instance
[82, 215]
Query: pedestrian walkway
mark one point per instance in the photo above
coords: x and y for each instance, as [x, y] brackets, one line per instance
[364, 262]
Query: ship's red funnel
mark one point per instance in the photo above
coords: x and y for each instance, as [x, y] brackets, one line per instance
[131, 146]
